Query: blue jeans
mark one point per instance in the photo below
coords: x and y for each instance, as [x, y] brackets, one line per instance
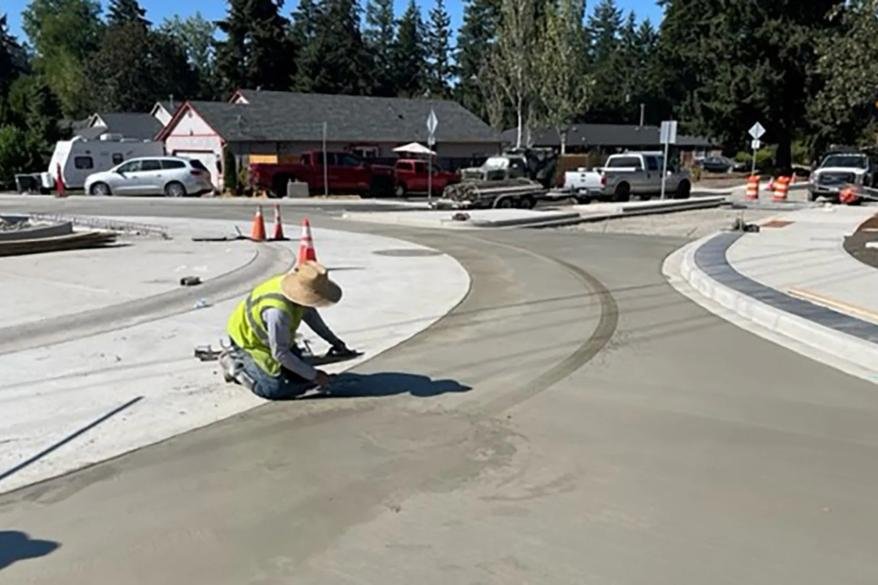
[284, 386]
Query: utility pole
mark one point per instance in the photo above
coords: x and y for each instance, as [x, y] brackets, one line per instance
[642, 113]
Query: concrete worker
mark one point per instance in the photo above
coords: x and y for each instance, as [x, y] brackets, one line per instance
[263, 356]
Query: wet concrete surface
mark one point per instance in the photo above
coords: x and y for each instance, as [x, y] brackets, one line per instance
[574, 420]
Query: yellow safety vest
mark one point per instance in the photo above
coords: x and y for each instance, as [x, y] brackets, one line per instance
[247, 328]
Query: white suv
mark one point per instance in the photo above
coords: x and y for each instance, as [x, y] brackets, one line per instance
[166, 175]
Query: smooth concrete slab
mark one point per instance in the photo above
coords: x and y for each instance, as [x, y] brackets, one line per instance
[613, 433]
[141, 384]
[804, 255]
[764, 290]
[42, 286]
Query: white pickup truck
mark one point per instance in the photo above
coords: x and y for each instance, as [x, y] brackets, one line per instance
[627, 174]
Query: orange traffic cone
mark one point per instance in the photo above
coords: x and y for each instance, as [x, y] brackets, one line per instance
[306, 244]
[257, 232]
[752, 188]
[849, 196]
[781, 189]
[278, 225]
[59, 182]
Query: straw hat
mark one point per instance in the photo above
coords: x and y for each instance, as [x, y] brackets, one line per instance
[309, 285]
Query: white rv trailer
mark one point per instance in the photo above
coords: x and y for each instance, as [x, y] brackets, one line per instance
[79, 157]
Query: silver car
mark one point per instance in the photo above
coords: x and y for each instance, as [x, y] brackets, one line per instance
[166, 175]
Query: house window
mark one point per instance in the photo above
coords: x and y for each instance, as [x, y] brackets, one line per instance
[83, 162]
[117, 158]
[366, 151]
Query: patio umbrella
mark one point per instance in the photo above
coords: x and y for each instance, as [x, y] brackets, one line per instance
[414, 148]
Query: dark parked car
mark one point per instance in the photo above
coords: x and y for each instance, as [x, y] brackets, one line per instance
[721, 164]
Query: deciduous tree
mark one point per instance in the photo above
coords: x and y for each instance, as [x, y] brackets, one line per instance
[64, 35]
[564, 85]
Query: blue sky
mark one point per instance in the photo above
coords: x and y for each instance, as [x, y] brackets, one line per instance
[157, 10]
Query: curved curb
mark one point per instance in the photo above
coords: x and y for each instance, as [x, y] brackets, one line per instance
[686, 272]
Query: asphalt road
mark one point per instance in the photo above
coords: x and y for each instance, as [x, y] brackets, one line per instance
[574, 420]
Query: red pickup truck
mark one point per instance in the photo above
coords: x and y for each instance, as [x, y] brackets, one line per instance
[411, 177]
[345, 173]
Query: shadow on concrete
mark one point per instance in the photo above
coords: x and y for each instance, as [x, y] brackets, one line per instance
[68, 438]
[350, 385]
[18, 546]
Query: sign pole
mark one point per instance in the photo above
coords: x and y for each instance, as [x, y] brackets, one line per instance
[665, 168]
[667, 136]
[757, 131]
[432, 123]
[325, 168]
[753, 165]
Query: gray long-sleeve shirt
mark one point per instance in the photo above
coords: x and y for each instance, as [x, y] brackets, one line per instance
[278, 325]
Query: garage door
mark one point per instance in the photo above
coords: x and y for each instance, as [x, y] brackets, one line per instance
[208, 159]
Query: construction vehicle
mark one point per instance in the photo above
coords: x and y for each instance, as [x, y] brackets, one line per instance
[517, 178]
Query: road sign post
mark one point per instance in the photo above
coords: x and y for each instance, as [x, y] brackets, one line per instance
[757, 131]
[667, 136]
[432, 123]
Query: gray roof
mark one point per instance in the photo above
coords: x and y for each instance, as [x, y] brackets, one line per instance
[129, 125]
[611, 135]
[277, 116]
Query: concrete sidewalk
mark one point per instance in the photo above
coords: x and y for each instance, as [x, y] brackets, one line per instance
[88, 398]
[792, 282]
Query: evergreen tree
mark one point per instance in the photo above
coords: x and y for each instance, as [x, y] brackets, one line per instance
[64, 34]
[604, 26]
[32, 119]
[335, 59]
[474, 40]
[35, 109]
[126, 12]
[409, 53]
[137, 66]
[11, 63]
[380, 36]
[256, 51]
[607, 59]
[303, 23]
[843, 110]
[727, 65]
[438, 44]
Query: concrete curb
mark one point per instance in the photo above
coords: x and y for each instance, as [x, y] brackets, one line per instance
[552, 218]
[845, 352]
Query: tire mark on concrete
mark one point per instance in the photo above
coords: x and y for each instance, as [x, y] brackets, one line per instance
[608, 321]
